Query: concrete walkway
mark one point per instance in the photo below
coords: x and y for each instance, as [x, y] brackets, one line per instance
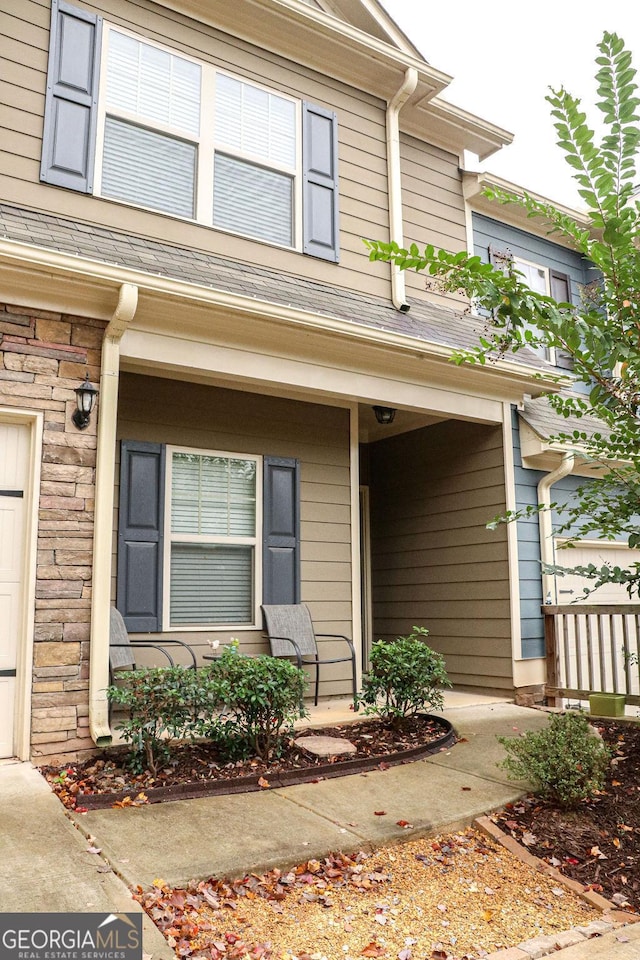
[45, 866]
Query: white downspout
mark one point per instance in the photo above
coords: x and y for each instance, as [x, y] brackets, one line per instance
[394, 177]
[546, 527]
[103, 523]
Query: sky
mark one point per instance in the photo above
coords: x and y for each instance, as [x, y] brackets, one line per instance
[505, 57]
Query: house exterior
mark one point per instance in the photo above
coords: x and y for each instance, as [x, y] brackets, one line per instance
[183, 193]
[544, 470]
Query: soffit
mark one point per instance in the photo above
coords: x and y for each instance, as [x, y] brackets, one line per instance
[473, 185]
[323, 42]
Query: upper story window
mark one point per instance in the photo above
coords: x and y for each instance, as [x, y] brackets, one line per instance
[544, 280]
[133, 121]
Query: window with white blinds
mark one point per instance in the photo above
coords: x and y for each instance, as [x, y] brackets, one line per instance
[214, 519]
[228, 159]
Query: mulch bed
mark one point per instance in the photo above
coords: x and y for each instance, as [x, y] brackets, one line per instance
[196, 769]
[598, 844]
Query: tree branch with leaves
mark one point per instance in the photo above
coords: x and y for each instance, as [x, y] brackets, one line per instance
[602, 333]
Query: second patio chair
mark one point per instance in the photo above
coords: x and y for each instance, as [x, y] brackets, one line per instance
[122, 650]
[291, 634]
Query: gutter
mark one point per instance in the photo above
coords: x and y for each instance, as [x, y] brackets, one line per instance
[34, 256]
[546, 527]
[394, 179]
[103, 522]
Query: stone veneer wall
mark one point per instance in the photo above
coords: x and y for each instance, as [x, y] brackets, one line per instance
[43, 357]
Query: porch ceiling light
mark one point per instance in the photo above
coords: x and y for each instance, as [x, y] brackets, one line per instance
[384, 414]
[86, 395]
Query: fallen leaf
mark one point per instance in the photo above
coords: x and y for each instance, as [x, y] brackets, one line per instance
[404, 824]
[595, 851]
[381, 919]
[528, 838]
[465, 788]
[487, 915]
[373, 949]
[263, 783]
[94, 850]
[379, 813]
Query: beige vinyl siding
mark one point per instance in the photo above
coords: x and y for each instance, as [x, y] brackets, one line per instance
[363, 181]
[212, 418]
[433, 204]
[434, 562]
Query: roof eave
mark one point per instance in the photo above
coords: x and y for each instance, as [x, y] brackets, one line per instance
[475, 183]
[90, 285]
[316, 39]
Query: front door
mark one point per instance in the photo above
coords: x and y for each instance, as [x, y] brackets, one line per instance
[14, 446]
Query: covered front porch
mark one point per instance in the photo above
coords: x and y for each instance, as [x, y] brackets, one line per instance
[390, 519]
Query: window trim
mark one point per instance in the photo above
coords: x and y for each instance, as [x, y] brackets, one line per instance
[170, 538]
[549, 352]
[205, 144]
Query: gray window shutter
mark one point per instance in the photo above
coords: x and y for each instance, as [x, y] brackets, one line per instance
[68, 143]
[281, 531]
[560, 285]
[320, 182]
[140, 535]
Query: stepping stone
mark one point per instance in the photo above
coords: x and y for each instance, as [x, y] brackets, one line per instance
[325, 746]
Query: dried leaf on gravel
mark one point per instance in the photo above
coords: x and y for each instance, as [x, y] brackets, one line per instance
[333, 907]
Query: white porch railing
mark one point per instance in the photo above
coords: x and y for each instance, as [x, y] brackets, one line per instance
[592, 648]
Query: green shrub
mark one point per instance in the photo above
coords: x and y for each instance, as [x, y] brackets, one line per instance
[405, 677]
[565, 762]
[257, 699]
[159, 703]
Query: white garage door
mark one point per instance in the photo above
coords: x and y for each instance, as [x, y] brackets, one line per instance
[570, 587]
[14, 444]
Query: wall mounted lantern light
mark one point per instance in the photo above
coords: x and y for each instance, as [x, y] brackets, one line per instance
[86, 395]
[384, 414]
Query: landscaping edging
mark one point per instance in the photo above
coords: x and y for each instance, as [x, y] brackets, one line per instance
[284, 778]
[543, 946]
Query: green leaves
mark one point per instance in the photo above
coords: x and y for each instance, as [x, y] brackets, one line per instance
[405, 677]
[601, 333]
[565, 761]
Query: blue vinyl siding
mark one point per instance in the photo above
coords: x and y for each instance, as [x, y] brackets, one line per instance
[564, 493]
[488, 232]
[529, 571]
[491, 233]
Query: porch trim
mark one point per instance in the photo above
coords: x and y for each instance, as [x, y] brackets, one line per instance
[24, 663]
[103, 521]
[356, 587]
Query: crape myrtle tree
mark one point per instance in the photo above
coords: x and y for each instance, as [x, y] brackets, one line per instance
[602, 333]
